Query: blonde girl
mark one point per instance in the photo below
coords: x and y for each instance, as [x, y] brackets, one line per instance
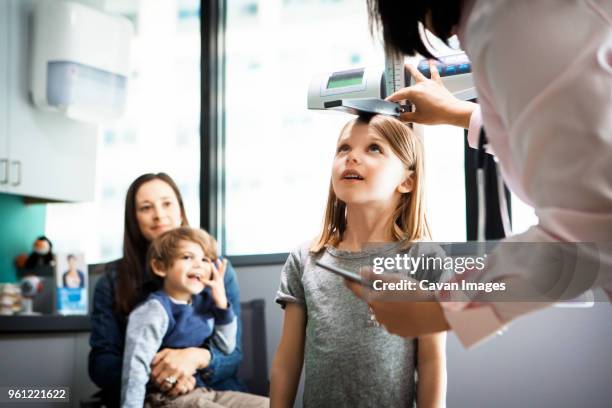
[376, 195]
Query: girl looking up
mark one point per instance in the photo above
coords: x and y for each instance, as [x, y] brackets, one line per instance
[376, 196]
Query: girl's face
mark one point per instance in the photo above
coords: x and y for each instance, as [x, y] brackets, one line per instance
[157, 208]
[366, 170]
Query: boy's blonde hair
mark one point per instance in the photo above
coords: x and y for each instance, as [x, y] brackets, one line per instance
[164, 249]
[410, 222]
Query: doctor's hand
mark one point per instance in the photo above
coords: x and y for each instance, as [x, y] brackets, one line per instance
[409, 313]
[434, 104]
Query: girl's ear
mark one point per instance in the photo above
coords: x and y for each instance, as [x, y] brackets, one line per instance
[408, 184]
[156, 268]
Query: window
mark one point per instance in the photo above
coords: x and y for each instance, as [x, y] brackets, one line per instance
[445, 182]
[162, 116]
[523, 216]
[278, 153]
[445, 168]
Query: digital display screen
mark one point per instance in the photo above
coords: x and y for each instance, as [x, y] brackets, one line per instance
[344, 79]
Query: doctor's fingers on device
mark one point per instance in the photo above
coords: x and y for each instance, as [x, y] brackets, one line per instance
[419, 77]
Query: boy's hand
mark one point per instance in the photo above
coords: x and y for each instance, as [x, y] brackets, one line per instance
[216, 283]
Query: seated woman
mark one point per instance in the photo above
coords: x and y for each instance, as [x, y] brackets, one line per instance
[153, 205]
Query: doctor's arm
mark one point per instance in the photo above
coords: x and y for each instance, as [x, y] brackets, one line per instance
[551, 122]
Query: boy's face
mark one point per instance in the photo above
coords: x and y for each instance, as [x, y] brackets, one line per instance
[189, 269]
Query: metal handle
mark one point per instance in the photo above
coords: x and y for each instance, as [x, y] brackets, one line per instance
[5, 180]
[17, 165]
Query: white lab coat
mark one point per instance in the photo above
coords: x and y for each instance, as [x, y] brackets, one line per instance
[543, 73]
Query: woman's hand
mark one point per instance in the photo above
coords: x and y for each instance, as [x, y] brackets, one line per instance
[179, 365]
[434, 104]
[182, 386]
[216, 283]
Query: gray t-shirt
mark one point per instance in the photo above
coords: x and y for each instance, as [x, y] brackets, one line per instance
[349, 361]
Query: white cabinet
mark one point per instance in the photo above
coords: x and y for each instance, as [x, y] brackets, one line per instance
[49, 156]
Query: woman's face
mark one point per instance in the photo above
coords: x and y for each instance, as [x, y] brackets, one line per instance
[157, 209]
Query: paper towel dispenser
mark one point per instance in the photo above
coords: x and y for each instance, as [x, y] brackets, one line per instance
[80, 61]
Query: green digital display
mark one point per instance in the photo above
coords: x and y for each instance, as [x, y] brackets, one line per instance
[345, 79]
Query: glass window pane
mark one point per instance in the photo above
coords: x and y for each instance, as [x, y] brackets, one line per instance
[278, 153]
[445, 175]
[523, 216]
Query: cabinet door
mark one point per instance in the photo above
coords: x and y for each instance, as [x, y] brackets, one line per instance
[4, 32]
[52, 157]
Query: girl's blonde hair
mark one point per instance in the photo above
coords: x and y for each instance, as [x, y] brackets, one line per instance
[410, 222]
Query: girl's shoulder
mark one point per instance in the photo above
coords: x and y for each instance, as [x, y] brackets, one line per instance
[304, 251]
[301, 257]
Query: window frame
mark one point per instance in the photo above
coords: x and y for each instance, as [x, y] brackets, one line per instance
[494, 229]
[213, 18]
[212, 136]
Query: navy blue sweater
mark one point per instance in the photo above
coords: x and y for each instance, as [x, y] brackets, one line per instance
[190, 325]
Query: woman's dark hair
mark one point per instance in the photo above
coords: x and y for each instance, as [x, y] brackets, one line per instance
[131, 269]
[399, 21]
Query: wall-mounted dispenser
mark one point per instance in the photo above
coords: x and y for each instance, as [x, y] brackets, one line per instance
[80, 61]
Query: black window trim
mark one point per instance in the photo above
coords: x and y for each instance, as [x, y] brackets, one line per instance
[212, 72]
[213, 17]
[494, 229]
